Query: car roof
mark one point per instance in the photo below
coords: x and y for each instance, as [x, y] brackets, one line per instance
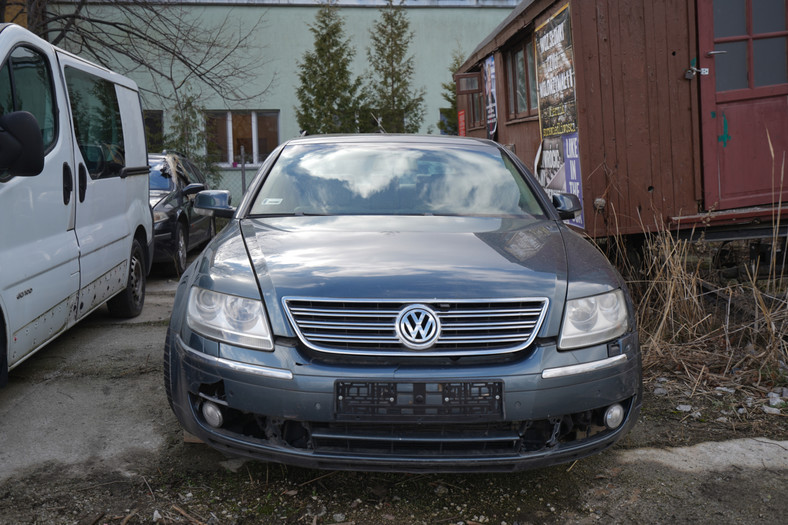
[385, 138]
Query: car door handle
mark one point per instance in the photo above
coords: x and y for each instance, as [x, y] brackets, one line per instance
[83, 182]
[68, 183]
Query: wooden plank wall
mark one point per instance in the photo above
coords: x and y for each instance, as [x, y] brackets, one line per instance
[637, 114]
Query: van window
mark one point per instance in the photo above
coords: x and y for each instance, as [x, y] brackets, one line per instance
[26, 85]
[97, 124]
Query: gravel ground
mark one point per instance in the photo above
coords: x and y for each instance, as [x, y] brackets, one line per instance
[87, 438]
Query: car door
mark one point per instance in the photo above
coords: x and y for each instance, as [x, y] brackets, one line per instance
[39, 259]
[103, 228]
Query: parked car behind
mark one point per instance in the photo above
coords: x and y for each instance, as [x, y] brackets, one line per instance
[402, 303]
[174, 180]
[77, 229]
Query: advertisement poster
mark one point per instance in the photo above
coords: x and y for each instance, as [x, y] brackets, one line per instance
[558, 168]
[488, 72]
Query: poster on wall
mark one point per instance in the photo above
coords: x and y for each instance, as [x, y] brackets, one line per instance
[488, 72]
[558, 166]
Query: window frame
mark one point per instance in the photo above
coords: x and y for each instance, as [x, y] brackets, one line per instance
[475, 115]
[513, 111]
[257, 156]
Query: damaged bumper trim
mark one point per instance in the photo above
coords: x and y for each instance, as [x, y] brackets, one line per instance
[564, 371]
[263, 371]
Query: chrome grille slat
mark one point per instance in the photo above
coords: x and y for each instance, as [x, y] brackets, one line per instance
[488, 326]
[367, 327]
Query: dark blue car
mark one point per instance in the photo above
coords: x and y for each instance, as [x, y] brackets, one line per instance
[401, 303]
[174, 181]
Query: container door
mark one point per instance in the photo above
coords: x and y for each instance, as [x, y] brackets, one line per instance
[744, 101]
[39, 257]
[102, 217]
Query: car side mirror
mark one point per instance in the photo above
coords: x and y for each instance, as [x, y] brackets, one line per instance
[214, 203]
[567, 204]
[194, 187]
[21, 145]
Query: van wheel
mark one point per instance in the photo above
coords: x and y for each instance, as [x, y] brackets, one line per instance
[179, 260]
[129, 302]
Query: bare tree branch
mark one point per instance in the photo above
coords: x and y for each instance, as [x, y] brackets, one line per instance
[175, 47]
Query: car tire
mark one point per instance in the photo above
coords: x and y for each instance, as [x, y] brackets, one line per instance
[130, 301]
[181, 250]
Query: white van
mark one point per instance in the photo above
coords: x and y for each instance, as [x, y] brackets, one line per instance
[76, 224]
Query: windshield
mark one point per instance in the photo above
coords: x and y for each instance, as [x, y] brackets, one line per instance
[394, 179]
[159, 180]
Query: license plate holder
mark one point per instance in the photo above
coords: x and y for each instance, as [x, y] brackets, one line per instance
[461, 401]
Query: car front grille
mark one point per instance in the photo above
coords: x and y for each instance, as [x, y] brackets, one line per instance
[369, 327]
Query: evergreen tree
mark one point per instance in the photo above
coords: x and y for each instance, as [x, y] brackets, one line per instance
[187, 136]
[328, 94]
[398, 107]
[448, 124]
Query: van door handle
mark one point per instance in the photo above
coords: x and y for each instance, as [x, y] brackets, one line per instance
[68, 183]
[83, 182]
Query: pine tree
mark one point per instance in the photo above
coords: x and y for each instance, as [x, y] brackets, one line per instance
[328, 94]
[448, 124]
[398, 107]
[187, 136]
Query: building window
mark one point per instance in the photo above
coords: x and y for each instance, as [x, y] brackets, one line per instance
[236, 136]
[521, 99]
[154, 129]
[470, 86]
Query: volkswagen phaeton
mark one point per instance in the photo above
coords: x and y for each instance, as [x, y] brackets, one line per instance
[401, 303]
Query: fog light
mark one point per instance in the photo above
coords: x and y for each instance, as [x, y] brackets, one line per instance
[212, 414]
[614, 416]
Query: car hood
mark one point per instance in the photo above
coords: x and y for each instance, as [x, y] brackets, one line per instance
[407, 257]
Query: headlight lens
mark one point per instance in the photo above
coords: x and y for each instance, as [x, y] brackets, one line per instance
[229, 318]
[159, 216]
[593, 320]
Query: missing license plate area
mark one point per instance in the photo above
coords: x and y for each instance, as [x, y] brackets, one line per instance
[463, 401]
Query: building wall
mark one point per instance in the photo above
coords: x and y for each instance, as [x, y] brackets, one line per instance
[637, 115]
[439, 26]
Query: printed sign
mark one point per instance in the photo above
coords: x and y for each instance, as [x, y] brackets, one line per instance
[558, 169]
[488, 74]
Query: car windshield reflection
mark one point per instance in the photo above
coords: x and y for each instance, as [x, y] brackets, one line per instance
[159, 180]
[370, 179]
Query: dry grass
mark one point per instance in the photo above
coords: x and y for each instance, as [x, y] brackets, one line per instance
[722, 334]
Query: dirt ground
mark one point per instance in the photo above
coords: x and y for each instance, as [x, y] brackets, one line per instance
[87, 438]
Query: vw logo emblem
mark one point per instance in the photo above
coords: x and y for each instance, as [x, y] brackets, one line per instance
[418, 327]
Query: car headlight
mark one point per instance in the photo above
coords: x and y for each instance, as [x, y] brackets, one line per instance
[159, 216]
[593, 320]
[229, 319]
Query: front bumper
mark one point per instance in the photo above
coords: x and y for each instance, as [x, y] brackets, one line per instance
[282, 407]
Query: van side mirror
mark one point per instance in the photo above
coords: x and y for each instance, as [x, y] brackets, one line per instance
[567, 204]
[21, 145]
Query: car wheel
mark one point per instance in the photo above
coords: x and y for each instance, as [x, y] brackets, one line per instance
[129, 302]
[179, 261]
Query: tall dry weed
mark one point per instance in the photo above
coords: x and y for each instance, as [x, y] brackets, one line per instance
[695, 324]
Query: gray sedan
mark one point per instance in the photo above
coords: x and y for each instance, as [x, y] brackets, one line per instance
[401, 303]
